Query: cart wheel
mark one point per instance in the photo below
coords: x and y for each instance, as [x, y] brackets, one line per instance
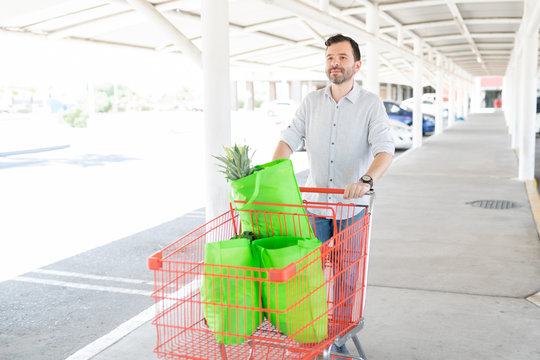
[326, 354]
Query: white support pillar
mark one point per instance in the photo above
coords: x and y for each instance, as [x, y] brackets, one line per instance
[296, 90]
[234, 95]
[528, 81]
[459, 105]
[451, 97]
[271, 90]
[516, 103]
[372, 72]
[466, 99]
[476, 99]
[389, 92]
[508, 102]
[250, 93]
[439, 97]
[505, 92]
[417, 93]
[217, 112]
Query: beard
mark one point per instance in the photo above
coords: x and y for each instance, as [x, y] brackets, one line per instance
[341, 77]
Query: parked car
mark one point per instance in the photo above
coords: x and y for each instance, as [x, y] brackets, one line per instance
[402, 134]
[396, 112]
[428, 105]
[282, 108]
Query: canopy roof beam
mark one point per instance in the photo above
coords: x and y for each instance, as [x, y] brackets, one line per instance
[171, 31]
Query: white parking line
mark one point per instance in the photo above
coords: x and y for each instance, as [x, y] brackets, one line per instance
[112, 289]
[99, 345]
[91, 277]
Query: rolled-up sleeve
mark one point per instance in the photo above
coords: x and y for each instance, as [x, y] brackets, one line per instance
[379, 136]
[296, 130]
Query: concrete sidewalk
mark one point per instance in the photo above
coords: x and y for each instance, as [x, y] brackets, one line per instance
[447, 279]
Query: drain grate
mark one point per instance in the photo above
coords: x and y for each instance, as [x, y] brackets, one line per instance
[494, 204]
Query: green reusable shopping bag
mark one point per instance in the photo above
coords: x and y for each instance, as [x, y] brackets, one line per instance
[275, 183]
[226, 289]
[299, 301]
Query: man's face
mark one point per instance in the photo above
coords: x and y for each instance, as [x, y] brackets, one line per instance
[340, 64]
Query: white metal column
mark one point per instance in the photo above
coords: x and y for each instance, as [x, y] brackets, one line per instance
[516, 109]
[451, 97]
[217, 113]
[417, 93]
[388, 92]
[504, 98]
[439, 97]
[466, 99]
[296, 90]
[372, 72]
[459, 94]
[476, 99]
[528, 83]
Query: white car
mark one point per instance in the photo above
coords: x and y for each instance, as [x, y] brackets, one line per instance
[402, 134]
[428, 105]
[282, 108]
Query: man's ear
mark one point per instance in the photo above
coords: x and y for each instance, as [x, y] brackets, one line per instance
[357, 66]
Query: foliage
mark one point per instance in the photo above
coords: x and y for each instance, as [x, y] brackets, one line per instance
[75, 117]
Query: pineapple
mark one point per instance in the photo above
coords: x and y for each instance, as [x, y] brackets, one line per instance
[236, 162]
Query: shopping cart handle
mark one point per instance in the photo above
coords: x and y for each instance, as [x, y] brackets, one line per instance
[321, 190]
[326, 190]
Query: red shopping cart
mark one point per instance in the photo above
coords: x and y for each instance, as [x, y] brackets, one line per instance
[306, 307]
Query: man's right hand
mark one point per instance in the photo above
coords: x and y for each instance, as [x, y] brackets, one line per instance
[356, 190]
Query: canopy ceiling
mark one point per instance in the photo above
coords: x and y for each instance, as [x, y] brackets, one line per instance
[476, 35]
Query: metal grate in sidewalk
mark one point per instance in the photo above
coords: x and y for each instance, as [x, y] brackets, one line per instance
[494, 204]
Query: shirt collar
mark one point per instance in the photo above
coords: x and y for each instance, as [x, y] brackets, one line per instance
[352, 95]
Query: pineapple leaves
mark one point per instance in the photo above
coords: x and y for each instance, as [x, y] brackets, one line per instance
[236, 163]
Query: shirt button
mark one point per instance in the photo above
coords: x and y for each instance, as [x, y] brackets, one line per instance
[330, 179]
[334, 124]
[332, 143]
[332, 161]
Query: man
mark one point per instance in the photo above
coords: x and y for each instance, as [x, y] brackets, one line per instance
[349, 146]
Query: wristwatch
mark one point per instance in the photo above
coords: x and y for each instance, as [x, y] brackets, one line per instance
[366, 179]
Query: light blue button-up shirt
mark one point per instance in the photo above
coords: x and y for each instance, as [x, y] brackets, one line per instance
[341, 139]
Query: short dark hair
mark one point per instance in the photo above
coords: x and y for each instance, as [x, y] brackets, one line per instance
[340, 38]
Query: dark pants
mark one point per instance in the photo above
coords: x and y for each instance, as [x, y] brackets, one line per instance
[344, 258]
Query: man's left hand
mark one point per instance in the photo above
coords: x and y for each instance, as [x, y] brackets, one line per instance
[356, 190]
